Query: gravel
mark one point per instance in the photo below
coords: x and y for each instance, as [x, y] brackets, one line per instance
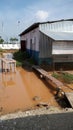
[39, 119]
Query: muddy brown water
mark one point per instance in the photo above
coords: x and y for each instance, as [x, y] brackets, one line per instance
[17, 91]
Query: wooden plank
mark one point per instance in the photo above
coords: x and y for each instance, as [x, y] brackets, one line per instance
[51, 79]
[69, 97]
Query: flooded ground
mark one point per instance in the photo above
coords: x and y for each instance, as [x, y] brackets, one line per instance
[23, 90]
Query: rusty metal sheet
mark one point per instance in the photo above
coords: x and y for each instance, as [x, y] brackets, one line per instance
[69, 97]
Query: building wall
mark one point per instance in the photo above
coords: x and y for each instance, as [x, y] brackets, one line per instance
[62, 51]
[62, 47]
[32, 43]
[34, 35]
[62, 58]
[45, 48]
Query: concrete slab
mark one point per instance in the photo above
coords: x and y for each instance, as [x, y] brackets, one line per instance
[69, 97]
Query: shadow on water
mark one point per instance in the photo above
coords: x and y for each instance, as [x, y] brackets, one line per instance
[60, 121]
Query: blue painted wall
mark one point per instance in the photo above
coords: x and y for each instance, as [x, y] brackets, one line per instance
[34, 55]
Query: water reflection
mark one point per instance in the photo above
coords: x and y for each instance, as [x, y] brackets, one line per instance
[8, 79]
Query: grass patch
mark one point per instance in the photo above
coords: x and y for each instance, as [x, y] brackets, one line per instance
[68, 78]
[65, 77]
[56, 75]
[18, 64]
[1, 52]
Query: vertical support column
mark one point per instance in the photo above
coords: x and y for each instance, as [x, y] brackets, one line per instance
[2, 64]
[15, 66]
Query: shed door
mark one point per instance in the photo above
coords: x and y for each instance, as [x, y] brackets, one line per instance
[23, 45]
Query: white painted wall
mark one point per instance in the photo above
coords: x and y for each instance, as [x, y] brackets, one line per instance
[10, 46]
[34, 34]
[62, 51]
[62, 48]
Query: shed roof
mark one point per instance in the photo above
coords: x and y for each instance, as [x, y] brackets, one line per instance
[64, 36]
[35, 25]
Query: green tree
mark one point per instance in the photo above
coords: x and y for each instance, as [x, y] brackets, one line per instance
[1, 40]
[13, 40]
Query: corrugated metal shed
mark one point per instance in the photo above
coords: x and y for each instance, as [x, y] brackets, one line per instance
[66, 36]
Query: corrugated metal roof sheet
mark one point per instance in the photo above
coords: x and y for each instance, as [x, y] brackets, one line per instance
[33, 26]
[59, 35]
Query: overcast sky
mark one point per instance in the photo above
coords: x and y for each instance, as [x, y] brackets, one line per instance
[17, 15]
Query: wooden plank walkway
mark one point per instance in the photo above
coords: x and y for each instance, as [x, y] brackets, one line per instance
[56, 83]
[51, 79]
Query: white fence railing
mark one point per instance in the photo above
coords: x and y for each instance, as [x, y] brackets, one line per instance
[10, 46]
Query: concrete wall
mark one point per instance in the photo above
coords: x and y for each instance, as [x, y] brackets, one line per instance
[10, 46]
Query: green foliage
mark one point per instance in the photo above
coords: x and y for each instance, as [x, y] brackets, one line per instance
[55, 75]
[68, 78]
[31, 61]
[1, 50]
[20, 56]
[1, 40]
[18, 63]
[13, 39]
